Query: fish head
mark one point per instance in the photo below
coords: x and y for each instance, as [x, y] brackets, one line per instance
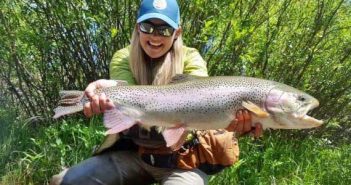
[289, 107]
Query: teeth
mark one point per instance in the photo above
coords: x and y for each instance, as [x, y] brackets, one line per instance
[154, 44]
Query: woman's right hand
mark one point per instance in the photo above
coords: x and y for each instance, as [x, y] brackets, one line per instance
[242, 124]
[98, 103]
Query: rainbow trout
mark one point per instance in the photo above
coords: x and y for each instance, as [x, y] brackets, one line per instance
[199, 103]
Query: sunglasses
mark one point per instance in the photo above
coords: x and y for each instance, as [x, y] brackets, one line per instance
[163, 30]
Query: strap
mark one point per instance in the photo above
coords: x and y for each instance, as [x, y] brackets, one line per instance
[141, 133]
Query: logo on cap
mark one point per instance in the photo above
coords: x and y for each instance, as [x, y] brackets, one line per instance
[160, 4]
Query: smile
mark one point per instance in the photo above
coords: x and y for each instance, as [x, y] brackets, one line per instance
[154, 44]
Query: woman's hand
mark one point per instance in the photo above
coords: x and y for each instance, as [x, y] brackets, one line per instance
[242, 124]
[98, 103]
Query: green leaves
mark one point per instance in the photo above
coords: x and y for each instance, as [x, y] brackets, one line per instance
[114, 32]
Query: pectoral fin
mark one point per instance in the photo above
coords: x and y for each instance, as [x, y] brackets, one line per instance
[255, 109]
[117, 121]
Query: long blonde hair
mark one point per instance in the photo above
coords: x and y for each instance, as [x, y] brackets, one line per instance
[152, 72]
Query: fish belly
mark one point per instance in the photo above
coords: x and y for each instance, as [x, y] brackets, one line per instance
[194, 120]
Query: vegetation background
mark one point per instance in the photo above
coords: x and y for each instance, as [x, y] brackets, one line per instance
[47, 46]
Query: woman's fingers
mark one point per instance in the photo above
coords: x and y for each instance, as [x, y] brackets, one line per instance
[89, 91]
[87, 110]
[95, 106]
[233, 125]
[240, 122]
[98, 103]
[102, 102]
[247, 121]
[243, 124]
[258, 130]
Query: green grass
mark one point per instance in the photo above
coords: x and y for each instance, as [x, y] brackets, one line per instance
[31, 155]
[278, 159]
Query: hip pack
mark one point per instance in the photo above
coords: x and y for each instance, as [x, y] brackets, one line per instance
[210, 151]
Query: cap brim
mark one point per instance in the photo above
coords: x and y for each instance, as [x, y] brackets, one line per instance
[158, 16]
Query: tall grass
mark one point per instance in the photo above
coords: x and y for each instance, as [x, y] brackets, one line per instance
[280, 159]
[31, 155]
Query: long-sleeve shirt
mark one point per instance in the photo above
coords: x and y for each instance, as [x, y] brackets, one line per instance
[193, 64]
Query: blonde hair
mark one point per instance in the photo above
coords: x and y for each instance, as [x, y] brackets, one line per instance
[152, 72]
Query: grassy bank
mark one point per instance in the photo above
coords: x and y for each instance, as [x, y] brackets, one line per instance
[30, 155]
[280, 159]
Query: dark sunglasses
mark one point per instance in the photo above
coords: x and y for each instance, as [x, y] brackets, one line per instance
[149, 28]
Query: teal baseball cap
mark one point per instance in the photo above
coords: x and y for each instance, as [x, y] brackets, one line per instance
[166, 10]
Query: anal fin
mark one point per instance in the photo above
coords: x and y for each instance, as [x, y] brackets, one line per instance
[173, 134]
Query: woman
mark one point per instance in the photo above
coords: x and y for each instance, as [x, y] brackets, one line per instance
[155, 55]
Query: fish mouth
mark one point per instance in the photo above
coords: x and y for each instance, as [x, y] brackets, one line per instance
[311, 121]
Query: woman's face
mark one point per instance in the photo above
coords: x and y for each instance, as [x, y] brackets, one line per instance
[154, 44]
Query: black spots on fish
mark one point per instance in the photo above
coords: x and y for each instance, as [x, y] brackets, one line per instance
[126, 95]
[205, 96]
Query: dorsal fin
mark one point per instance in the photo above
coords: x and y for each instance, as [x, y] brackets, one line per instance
[121, 83]
[180, 78]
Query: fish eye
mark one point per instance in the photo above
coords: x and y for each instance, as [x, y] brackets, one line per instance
[301, 98]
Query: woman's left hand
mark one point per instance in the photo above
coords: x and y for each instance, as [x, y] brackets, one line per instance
[242, 124]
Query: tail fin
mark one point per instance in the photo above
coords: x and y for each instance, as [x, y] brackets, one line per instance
[70, 102]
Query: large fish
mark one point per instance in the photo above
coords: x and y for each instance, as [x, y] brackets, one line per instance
[199, 103]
